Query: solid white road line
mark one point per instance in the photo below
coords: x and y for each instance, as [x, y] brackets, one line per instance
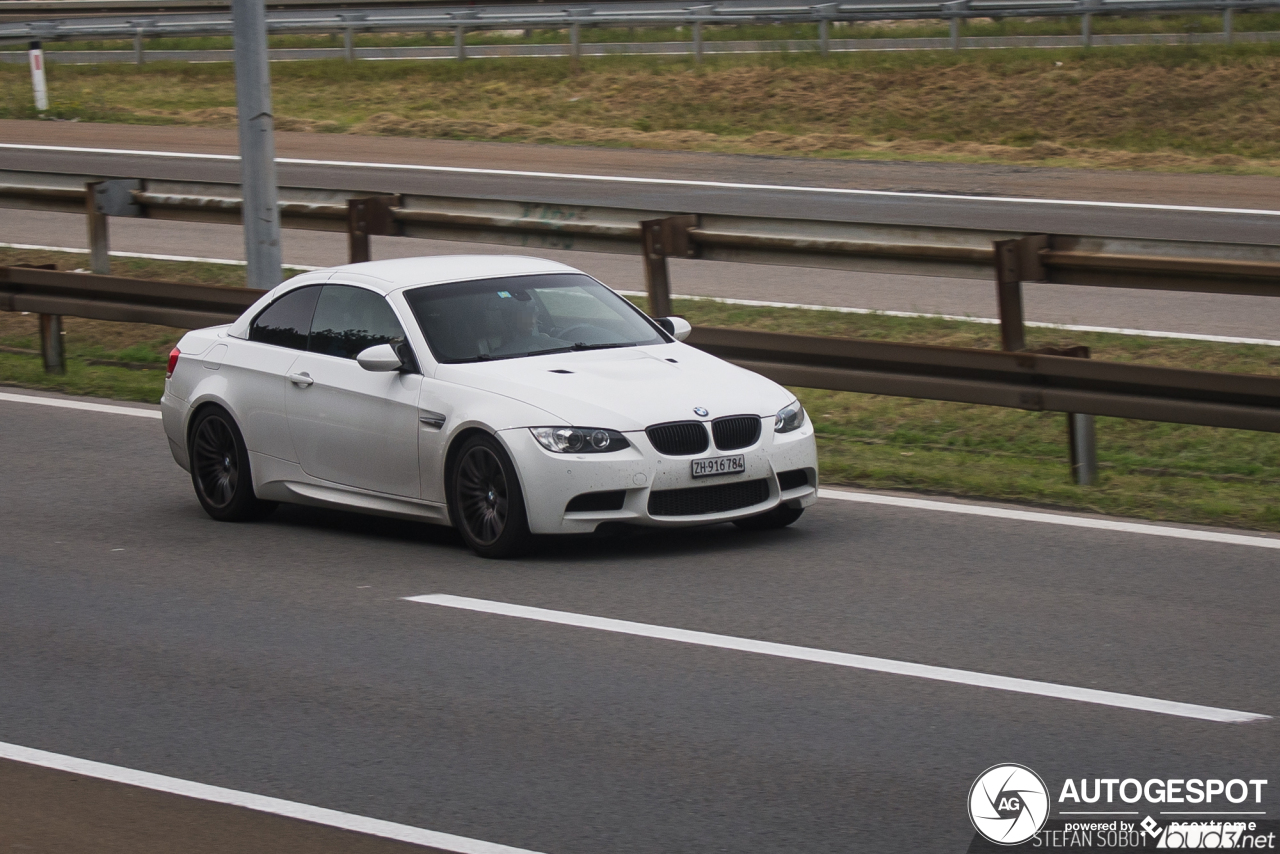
[671, 182]
[1052, 518]
[844, 659]
[79, 404]
[258, 803]
[1190, 336]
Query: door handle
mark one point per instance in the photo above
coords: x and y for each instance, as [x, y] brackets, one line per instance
[303, 379]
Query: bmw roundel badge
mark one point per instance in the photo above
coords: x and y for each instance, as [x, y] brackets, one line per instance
[700, 412]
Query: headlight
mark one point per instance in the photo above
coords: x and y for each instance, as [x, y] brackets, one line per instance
[579, 440]
[790, 417]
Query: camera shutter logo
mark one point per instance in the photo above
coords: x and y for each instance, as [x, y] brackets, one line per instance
[1008, 804]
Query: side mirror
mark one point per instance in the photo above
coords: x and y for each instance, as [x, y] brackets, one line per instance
[677, 327]
[381, 357]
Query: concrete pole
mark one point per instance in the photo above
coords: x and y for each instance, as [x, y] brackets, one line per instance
[257, 145]
[39, 88]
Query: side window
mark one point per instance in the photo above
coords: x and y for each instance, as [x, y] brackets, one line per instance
[349, 320]
[286, 321]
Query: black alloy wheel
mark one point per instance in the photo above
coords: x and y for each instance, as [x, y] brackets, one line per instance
[770, 520]
[486, 501]
[220, 469]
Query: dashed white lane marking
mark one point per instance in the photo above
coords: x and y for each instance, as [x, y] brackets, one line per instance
[844, 659]
[258, 803]
[991, 321]
[670, 182]
[1052, 518]
[79, 404]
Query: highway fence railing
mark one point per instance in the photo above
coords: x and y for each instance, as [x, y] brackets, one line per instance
[159, 21]
[1057, 381]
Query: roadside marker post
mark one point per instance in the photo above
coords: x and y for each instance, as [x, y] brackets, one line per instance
[35, 56]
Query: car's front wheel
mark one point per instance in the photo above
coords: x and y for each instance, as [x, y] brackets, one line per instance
[779, 517]
[220, 469]
[485, 500]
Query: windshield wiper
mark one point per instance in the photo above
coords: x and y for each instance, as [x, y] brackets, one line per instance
[581, 346]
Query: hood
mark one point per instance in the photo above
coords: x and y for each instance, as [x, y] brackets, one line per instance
[625, 389]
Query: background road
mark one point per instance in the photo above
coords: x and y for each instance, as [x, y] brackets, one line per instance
[1255, 317]
[280, 658]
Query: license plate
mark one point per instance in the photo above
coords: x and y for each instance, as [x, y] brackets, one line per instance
[718, 465]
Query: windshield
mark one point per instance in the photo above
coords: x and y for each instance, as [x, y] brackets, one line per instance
[524, 316]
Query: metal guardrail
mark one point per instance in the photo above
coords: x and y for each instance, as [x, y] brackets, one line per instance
[1008, 258]
[1014, 378]
[605, 14]
[674, 48]
[1017, 380]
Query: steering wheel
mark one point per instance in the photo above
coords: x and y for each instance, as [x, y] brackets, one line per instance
[566, 334]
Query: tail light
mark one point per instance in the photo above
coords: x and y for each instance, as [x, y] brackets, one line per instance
[173, 361]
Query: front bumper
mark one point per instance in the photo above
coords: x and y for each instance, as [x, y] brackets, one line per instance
[551, 481]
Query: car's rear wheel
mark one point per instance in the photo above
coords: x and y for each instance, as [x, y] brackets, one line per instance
[220, 469]
[485, 500]
[779, 517]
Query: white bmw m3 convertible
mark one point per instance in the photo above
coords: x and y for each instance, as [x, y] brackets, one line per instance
[504, 396]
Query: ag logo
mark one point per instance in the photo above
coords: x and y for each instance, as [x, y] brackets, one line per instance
[1008, 804]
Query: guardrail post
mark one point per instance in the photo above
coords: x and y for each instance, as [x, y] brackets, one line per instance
[365, 217]
[104, 199]
[662, 238]
[99, 243]
[139, 32]
[1082, 441]
[459, 41]
[51, 345]
[825, 11]
[1017, 261]
[697, 41]
[1084, 448]
[952, 11]
[348, 45]
[1086, 29]
[1228, 24]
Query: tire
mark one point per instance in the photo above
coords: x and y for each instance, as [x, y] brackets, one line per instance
[779, 517]
[220, 469]
[485, 500]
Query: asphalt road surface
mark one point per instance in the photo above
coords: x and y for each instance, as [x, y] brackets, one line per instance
[281, 658]
[1253, 317]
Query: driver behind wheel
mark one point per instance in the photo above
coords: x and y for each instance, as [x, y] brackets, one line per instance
[518, 314]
